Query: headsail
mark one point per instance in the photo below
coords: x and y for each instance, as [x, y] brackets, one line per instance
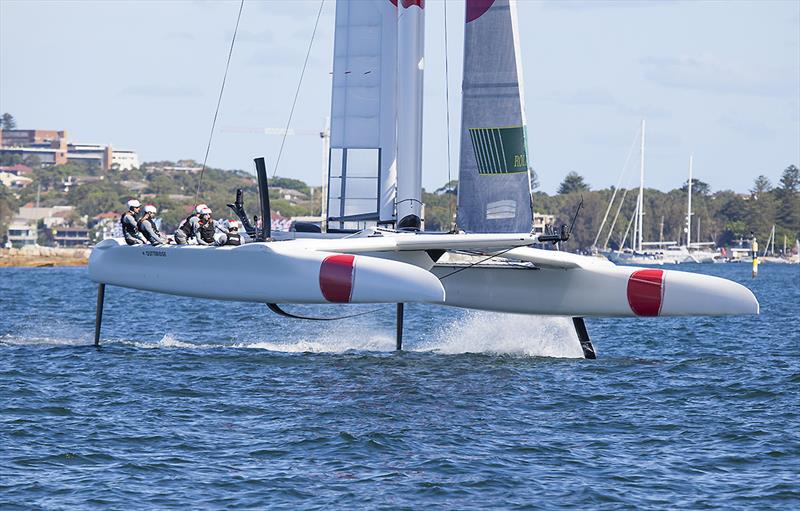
[494, 193]
[362, 160]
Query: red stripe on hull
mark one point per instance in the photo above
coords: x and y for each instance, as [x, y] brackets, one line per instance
[336, 277]
[646, 292]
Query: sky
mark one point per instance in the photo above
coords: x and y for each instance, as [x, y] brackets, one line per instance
[719, 80]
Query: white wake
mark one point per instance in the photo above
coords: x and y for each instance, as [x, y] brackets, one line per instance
[508, 334]
[472, 332]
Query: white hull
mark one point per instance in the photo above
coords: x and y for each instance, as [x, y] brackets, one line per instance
[261, 272]
[601, 290]
[395, 269]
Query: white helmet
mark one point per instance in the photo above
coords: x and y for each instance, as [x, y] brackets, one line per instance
[206, 211]
[150, 209]
[233, 224]
[133, 203]
[199, 208]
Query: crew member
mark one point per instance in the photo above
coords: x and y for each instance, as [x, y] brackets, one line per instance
[232, 237]
[130, 230]
[206, 227]
[147, 226]
[189, 229]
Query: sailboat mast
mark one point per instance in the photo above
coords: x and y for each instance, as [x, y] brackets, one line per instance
[689, 208]
[641, 190]
[410, 66]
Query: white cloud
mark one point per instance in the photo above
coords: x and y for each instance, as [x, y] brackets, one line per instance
[710, 73]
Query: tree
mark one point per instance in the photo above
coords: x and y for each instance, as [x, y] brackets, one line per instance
[573, 183]
[7, 122]
[450, 188]
[760, 185]
[761, 209]
[788, 197]
[698, 187]
[8, 207]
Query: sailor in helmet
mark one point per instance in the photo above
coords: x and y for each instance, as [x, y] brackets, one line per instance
[130, 230]
[231, 236]
[189, 229]
[207, 227]
[147, 226]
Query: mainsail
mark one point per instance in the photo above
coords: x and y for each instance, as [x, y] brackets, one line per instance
[494, 193]
[362, 161]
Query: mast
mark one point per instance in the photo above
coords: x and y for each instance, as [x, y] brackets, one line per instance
[772, 238]
[641, 190]
[410, 69]
[689, 211]
[325, 135]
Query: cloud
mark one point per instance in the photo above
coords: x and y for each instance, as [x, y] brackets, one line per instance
[709, 73]
[747, 127]
[581, 5]
[160, 91]
[599, 98]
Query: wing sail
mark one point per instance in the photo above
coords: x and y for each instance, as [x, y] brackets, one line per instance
[494, 192]
[361, 166]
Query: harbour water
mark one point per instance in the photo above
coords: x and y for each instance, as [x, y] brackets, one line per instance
[192, 404]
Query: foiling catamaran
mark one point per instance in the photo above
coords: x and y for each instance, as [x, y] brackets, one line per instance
[374, 179]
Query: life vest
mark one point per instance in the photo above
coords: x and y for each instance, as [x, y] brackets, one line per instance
[145, 233]
[207, 231]
[186, 226]
[234, 239]
[129, 229]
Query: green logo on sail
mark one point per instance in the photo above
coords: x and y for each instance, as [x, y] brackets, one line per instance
[499, 150]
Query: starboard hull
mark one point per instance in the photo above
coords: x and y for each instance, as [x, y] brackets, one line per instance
[592, 292]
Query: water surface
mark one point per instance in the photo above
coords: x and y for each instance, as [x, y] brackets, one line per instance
[210, 405]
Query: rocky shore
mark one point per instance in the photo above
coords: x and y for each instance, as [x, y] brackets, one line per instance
[33, 256]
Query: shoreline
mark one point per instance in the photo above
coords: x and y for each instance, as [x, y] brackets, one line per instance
[43, 257]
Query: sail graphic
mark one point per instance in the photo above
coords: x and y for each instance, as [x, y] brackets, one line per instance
[494, 193]
[362, 159]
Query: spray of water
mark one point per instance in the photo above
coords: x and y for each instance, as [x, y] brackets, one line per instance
[473, 332]
[508, 334]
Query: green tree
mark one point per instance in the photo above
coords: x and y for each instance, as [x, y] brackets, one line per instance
[8, 207]
[698, 187]
[761, 207]
[788, 198]
[7, 122]
[287, 182]
[10, 159]
[572, 183]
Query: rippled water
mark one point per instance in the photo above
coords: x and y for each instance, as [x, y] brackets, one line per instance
[210, 405]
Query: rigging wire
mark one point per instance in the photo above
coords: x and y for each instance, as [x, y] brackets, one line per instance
[477, 263]
[447, 108]
[616, 189]
[219, 102]
[297, 92]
